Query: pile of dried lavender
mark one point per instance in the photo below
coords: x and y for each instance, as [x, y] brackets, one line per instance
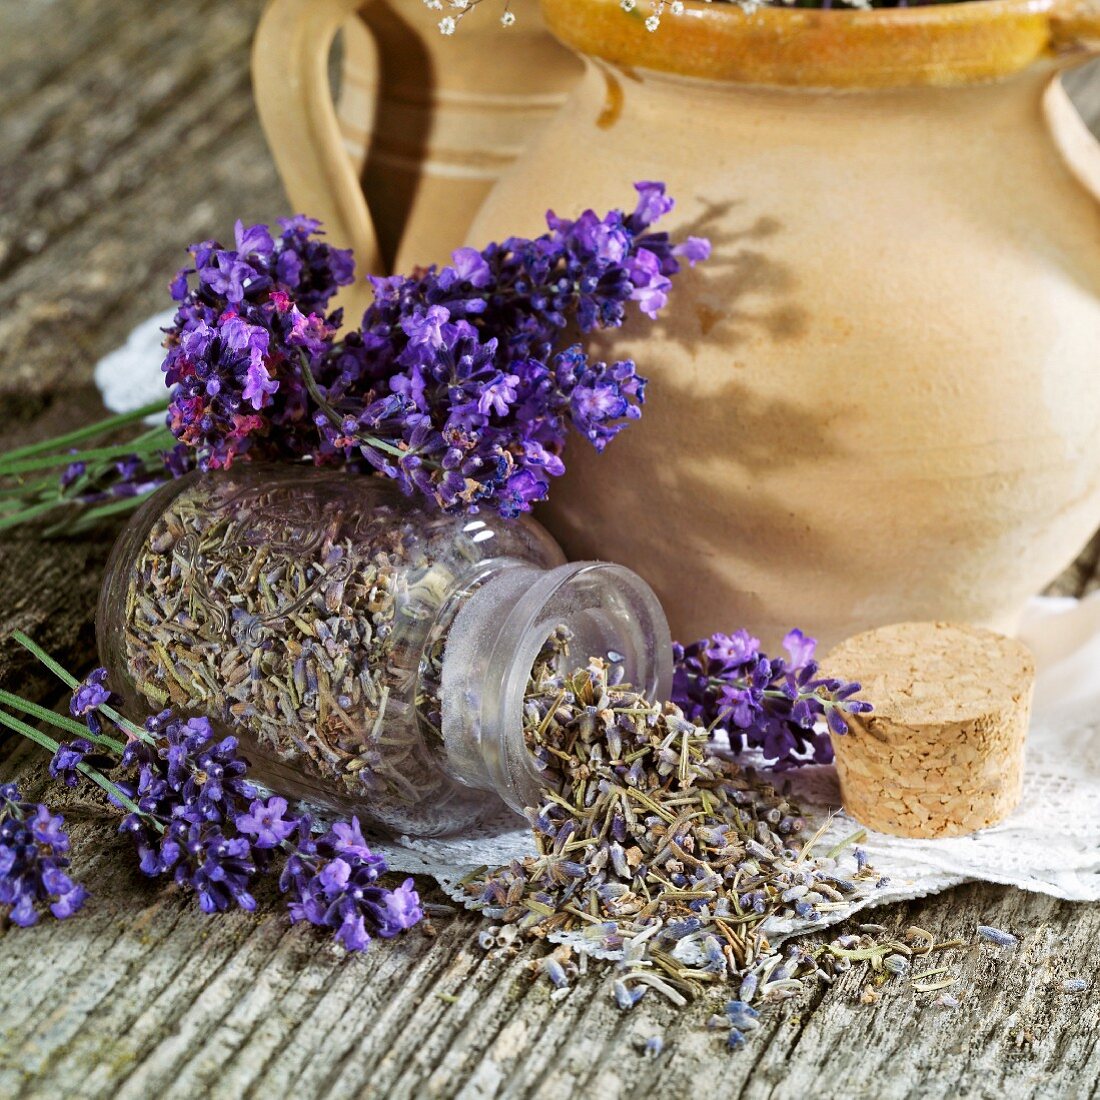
[657, 849]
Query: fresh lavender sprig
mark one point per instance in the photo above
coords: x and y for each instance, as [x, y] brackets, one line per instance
[769, 703]
[33, 861]
[194, 815]
[56, 478]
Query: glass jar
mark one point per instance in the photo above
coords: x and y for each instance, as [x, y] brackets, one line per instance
[370, 653]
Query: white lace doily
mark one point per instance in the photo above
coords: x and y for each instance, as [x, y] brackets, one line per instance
[1050, 844]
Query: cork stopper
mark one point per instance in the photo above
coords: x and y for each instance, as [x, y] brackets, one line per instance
[942, 753]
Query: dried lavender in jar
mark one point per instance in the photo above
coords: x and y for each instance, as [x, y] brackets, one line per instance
[310, 612]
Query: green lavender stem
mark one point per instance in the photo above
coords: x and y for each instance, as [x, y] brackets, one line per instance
[100, 511]
[101, 427]
[47, 742]
[323, 404]
[59, 721]
[66, 677]
[27, 514]
[163, 438]
[38, 652]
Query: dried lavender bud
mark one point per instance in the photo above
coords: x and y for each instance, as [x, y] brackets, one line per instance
[742, 1016]
[896, 964]
[625, 997]
[748, 987]
[555, 972]
[1074, 985]
[996, 936]
[653, 1046]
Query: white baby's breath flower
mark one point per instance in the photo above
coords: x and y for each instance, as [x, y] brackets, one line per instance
[507, 19]
[460, 4]
[447, 25]
[652, 23]
[435, 5]
[676, 7]
[627, 5]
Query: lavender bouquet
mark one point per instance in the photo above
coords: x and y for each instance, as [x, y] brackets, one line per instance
[460, 383]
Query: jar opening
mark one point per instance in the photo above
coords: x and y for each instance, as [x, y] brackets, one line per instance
[499, 635]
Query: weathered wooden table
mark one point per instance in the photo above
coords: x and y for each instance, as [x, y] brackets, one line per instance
[126, 130]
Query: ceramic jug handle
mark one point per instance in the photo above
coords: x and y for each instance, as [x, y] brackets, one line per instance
[1075, 34]
[290, 82]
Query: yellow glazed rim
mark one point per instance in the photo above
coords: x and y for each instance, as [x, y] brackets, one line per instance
[943, 44]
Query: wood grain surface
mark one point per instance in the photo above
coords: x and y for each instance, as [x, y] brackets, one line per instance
[127, 130]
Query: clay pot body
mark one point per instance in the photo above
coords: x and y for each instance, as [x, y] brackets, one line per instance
[424, 126]
[879, 401]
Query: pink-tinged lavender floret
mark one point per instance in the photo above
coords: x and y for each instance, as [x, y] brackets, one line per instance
[238, 334]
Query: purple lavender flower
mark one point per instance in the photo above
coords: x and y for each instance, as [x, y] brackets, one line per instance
[402, 908]
[72, 472]
[771, 704]
[332, 881]
[190, 788]
[33, 861]
[89, 697]
[69, 756]
[266, 822]
[233, 351]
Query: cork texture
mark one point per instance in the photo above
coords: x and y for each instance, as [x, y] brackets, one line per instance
[942, 753]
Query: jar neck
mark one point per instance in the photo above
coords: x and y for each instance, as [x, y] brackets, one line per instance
[495, 639]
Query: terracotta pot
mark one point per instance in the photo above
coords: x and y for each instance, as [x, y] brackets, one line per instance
[424, 126]
[880, 399]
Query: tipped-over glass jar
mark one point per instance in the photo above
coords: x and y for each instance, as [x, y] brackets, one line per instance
[370, 654]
